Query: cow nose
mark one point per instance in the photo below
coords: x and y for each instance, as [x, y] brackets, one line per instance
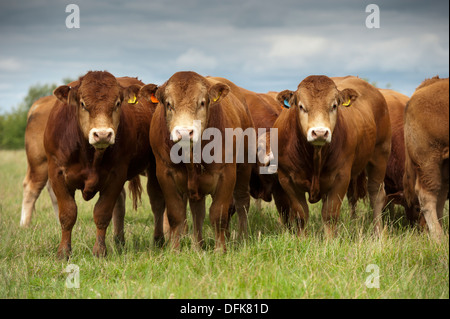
[184, 133]
[319, 135]
[102, 136]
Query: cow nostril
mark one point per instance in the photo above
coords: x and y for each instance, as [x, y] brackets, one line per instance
[326, 134]
[191, 133]
[109, 135]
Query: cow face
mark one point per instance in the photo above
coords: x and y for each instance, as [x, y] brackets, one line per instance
[97, 98]
[186, 98]
[317, 100]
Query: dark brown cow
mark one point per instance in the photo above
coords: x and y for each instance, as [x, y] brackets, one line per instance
[335, 131]
[427, 151]
[393, 181]
[95, 140]
[37, 171]
[187, 97]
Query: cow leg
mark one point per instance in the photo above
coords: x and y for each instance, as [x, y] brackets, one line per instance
[376, 170]
[103, 212]
[158, 205]
[428, 187]
[67, 209]
[299, 210]
[198, 211]
[331, 207]
[221, 199]
[241, 197]
[281, 202]
[118, 218]
[33, 184]
[52, 195]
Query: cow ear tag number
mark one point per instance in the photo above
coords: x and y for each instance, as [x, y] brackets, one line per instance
[286, 104]
[132, 100]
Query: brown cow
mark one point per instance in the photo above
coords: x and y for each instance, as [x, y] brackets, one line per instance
[187, 97]
[427, 151]
[265, 109]
[393, 181]
[95, 140]
[335, 130]
[37, 171]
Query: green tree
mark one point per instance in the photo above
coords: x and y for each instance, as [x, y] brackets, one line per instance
[13, 123]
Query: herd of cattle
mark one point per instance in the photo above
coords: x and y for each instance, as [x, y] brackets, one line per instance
[337, 137]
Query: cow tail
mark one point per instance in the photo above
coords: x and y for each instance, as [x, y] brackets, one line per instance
[135, 188]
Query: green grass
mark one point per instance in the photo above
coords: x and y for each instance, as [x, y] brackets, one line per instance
[272, 263]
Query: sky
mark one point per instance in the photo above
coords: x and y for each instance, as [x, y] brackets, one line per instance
[261, 45]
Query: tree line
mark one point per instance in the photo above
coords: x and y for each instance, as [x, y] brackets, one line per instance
[14, 122]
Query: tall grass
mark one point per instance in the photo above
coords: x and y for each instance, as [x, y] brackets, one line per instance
[271, 263]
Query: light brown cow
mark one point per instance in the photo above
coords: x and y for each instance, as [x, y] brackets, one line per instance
[335, 131]
[427, 151]
[187, 97]
[95, 140]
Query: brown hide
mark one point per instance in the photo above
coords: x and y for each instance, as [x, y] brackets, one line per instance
[360, 142]
[393, 181]
[427, 151]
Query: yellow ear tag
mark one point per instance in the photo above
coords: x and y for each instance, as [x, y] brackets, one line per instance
[215, 99]
[347, 103]
[133, 100]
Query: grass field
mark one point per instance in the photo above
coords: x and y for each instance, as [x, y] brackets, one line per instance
[271, 263]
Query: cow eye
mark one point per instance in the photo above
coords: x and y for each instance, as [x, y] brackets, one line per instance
[202, 103]
[302, 108]
[118, 103]
[169, 106]
[334, 107]
[83, 105]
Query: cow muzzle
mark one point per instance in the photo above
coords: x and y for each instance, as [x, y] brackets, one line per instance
[319, 136]
[101, 138]
[184, 134]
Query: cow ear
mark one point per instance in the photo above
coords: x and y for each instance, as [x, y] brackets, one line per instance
[347, 97]
[130, 93]
[149, 92]
[217, 92]
[285, 97]
[62, 93]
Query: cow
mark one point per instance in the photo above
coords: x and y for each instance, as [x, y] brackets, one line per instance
[393, 181]
[189, 104]
[37, 170]
[335, 132]
[265, 109]
[426, 178]
[95, 140]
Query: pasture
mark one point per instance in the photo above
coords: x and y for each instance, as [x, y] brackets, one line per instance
[272, 263]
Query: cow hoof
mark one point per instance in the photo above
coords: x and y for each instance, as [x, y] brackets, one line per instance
[64, 252]
[158, 241]
[99, 250]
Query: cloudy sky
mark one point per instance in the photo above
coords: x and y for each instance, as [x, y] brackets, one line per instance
[261, 45]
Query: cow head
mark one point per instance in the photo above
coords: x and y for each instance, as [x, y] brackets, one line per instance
[317, 100]
[187, 98]
[97, 98]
